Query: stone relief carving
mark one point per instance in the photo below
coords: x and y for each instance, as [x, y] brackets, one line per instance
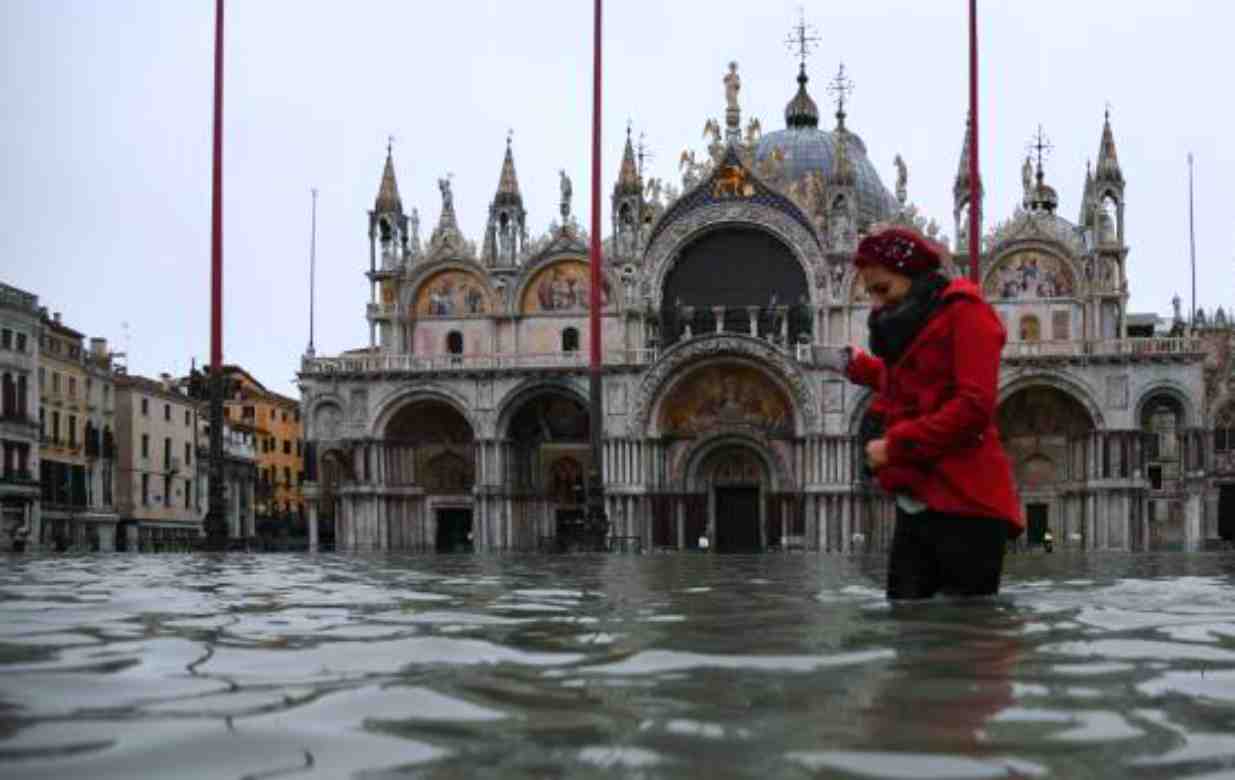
[359, 406]
[328, 420]
[833, 397]
[1117, 391]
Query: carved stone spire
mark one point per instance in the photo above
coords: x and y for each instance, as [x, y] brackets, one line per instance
[960, 188]
[628, 174]
[1108, 170]
[508, 181]
[388, 200]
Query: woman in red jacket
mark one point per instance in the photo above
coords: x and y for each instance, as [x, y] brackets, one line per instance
[932, 437]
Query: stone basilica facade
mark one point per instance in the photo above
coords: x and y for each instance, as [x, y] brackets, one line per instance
[464, 423]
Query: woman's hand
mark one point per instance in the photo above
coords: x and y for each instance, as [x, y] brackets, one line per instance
[877, 453]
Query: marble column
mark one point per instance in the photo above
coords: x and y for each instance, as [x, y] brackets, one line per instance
[313, 539]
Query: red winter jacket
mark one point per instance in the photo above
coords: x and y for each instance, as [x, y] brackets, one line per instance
[938, 407]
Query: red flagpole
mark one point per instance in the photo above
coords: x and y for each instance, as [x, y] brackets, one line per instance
[216, 228]
[595, 500]
[215, 524]
[975, 185]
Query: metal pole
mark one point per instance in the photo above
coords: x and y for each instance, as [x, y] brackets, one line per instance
[216, 524]
[312, 268]
[1192, 240]
[975, 186]
[597, 525]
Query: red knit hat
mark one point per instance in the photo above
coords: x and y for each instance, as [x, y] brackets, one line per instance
[899, 249]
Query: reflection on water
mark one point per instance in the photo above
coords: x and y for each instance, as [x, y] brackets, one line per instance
[656, 666]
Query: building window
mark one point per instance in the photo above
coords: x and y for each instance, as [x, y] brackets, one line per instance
[287, 476]
[72, 430]
[6, 339]
[188, 453]
[296, 414]
[188, 419]
[72, 387]
[227, 412]
[145, 407]
[1031, 328]
[42, 422]
[287, 446]
[42, 379]
[188, 494]
[167, 412]
[9, 404]
[145, 445]
[55, 427]
[1224, 430]
[21, 342]
[272, 414]
[285, 417]
[21, 396]
[570, 340]
[454, 342]
[145, 489]
[167, 490]
[55, 382]
[167, 453]
[299, 448]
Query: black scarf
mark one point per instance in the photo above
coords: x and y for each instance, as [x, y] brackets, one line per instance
[893, 328]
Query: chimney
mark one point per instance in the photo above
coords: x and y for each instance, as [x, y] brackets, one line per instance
[98, 347]
[56, 318]
[166, 379]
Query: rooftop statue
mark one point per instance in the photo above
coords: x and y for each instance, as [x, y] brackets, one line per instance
[733, 84]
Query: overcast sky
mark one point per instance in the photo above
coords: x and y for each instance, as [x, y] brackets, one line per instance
[106, 112]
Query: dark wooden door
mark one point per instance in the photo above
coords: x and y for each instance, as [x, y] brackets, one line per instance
[737, 519]
[1038, 516]
[454, 530]
[1226, 512]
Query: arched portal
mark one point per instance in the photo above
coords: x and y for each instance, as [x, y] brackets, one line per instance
[1046, 433]
[334, 471]
[734, 268]
[736, 484]
[429, 444]
[547, 456]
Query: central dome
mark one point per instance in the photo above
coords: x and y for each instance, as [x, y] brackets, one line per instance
[806, 149]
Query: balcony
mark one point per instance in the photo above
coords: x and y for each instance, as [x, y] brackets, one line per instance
[1112, 350]
[381, 364]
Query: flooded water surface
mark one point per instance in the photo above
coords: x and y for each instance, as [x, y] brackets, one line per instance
[580, 666]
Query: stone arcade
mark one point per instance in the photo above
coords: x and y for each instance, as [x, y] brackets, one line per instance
[464, 423]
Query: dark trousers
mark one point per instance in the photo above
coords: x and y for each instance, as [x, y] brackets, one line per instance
[938, 553]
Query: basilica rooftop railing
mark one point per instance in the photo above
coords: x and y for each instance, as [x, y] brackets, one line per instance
[371, 364]
[1131, 348]
[819, 355]
[1095, 349]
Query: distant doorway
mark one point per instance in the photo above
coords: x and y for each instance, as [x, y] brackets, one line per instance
[1038, 517]
[454, 530]
[1226, 511]
[737, 519]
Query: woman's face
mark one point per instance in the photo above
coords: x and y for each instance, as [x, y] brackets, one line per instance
[885, 287]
